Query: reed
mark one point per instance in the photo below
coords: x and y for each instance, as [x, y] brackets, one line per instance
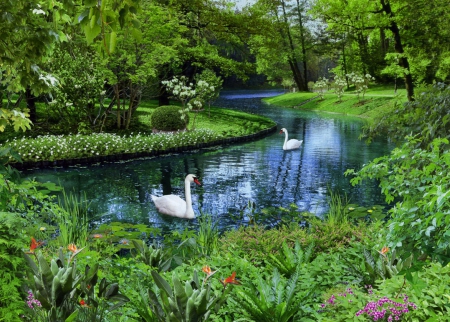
[72, 219]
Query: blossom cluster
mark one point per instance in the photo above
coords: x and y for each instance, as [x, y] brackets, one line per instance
[32, 302]
[385, 307]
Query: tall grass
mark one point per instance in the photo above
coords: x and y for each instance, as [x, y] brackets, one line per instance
[72, 219]
[208, 235]
[337, 214]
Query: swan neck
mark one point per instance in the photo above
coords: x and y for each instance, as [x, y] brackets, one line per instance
[187, 194]
[285, 138]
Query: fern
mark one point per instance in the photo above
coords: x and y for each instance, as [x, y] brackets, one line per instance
[275, 300]
[289, 259]
[11, 265]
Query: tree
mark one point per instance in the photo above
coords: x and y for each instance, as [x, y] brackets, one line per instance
[281, 47]
[208, 87]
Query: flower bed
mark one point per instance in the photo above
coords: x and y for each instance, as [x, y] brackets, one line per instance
[64, 150]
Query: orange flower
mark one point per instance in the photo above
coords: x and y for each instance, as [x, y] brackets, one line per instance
[207, 270]
[230, 280]
[97, 236]
[72, 247]
[384, 250]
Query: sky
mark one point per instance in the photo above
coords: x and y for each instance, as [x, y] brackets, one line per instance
[243, 3]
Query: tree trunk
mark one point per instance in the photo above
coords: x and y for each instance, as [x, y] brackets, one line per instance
[398, 46]
[302, 39]
[117, 94]
[298, 78]
[31, 104]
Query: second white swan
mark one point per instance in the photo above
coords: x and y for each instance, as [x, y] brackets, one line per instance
[290, 144]
[173, 205]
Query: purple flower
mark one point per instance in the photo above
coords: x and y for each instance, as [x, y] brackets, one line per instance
[31, 301]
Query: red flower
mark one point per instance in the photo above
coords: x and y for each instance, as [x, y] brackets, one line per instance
[83, 303]
[230, 280]
[34, 244]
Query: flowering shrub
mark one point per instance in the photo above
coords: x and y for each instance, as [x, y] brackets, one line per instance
[346, 305]
[385, 308]
[51, 147]
[361, 83]
[339, 84]
[321, 85]
[183, 92]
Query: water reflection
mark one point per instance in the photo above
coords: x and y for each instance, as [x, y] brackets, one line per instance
[231, 175]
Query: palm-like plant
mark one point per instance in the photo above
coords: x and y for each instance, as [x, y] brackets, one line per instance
[276, 300]
[289, 259]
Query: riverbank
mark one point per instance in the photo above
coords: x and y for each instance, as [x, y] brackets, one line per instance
[376, 102]
[211, 127]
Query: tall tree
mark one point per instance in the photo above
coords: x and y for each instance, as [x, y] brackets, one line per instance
[282, 45]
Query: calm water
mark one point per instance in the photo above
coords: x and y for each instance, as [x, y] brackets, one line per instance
[232, 175]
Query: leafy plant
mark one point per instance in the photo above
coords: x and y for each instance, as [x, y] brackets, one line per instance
[277, 300]
[381, 266]
[338, 209]
[287, 261]
[192, 302]
[419, 181]
[207, 237]
[58, 285]
[428, 288]
[152, 256]
[54, 285]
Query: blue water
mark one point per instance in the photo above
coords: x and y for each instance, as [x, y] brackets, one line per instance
[234, 174]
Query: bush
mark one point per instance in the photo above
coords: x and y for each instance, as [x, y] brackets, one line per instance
[168, 118]
[426, 118]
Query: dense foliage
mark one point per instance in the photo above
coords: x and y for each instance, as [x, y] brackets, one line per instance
[168, 118]
[427, 118]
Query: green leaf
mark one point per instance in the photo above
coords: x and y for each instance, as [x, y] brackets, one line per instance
[162, 283]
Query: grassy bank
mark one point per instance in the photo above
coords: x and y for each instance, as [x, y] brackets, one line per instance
[377, 100]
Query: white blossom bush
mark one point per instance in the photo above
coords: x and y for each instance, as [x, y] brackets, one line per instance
[183, 92]
[208, 87]
[321, 85]
[361, 83]
[339, 85]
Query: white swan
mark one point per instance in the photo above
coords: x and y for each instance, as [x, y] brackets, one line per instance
[292, 143]
[172, 205]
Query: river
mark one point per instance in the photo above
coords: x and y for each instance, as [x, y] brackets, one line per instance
[234, 174]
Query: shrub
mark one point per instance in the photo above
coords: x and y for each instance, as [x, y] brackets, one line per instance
[426, 118]
[168, 118]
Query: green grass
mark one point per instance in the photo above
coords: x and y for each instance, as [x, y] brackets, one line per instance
[225, 122]
[378, 100]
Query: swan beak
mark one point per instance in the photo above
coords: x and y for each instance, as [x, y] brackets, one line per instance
[281, 131]
[197, 182]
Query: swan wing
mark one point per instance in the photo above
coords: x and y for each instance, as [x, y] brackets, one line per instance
[293, 144]
[171, 205]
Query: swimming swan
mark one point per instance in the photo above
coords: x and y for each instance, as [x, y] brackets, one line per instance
[173, 205]
[292, 143]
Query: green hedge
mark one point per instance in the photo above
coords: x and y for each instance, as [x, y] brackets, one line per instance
[168, 118]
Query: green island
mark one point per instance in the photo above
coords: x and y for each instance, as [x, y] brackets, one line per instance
[92, 81]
